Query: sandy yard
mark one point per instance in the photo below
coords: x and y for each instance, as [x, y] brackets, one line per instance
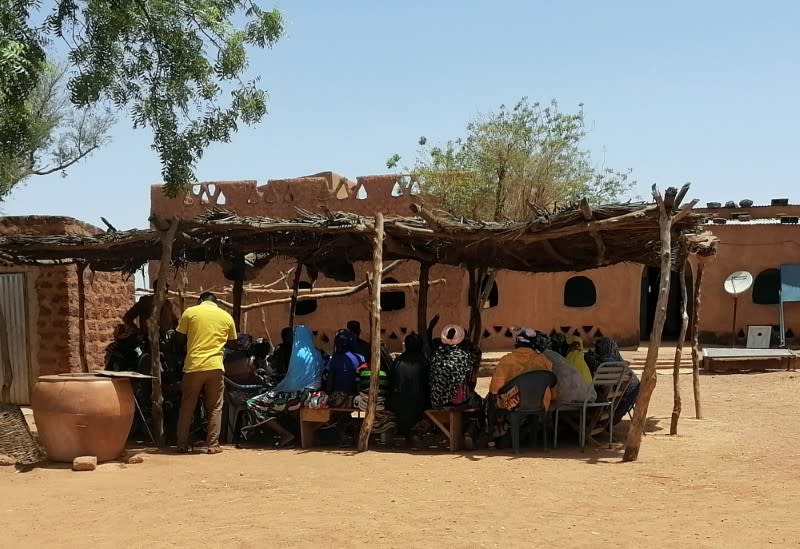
[727, 481]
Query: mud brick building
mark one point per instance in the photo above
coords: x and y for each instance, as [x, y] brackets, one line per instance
[42, 313]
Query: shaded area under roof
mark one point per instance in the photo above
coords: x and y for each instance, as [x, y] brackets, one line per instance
[571, 239]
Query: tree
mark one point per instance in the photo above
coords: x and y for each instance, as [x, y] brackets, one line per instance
[177, 66]
[512, 162]
[60, 134]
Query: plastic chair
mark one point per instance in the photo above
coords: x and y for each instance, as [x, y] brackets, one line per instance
[532, 387]
[237, 407]
[610, 375]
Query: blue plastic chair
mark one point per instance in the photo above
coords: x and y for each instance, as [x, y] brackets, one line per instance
[532, 387]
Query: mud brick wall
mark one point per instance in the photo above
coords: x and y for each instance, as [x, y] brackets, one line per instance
[524, 299]
[108, 297]
[55, 317]
[53, 302]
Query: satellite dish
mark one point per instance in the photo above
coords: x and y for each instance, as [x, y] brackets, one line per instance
[738, 282]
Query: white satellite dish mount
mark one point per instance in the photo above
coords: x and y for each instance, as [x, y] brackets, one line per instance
[736, 284]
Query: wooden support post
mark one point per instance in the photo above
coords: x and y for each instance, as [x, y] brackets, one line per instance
[676, 365]
[649, 376]
[698, 409]
[375, 334]
[422, 302]
[82, 318]
[298, 272]
[154, 331]
[5, 355]
[474, 308]
[238, 289]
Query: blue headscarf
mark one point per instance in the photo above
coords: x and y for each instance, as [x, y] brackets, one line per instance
[305, 364]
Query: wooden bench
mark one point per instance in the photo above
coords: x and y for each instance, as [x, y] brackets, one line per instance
[312, 419]
[450, 421]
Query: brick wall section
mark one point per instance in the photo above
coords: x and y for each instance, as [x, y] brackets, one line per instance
[54, 321]
[108, 296]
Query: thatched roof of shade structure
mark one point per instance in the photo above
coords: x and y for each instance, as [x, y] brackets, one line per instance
[571, 239]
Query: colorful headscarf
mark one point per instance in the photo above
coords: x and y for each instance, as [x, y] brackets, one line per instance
[305, 364]
[453, 334]
[524, 337]
[576, 358]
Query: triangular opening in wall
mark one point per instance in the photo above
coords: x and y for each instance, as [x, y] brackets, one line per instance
[397, 190]
[362, 193]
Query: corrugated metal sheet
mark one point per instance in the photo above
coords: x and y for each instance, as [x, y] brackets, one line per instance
[12, 300]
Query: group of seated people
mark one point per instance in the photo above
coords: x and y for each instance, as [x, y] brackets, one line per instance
[429, 373]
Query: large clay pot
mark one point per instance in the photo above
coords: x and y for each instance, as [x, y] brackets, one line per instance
[82, 415]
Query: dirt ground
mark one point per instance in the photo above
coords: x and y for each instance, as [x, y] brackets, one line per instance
[727, 481]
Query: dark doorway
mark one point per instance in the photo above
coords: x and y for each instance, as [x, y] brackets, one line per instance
[651, 278]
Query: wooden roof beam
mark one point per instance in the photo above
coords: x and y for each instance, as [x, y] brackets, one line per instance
[588, 215]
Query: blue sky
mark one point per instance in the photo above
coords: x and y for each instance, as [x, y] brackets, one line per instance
[678, 91]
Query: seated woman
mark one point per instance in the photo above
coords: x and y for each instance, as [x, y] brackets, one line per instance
[606, 350]
[526, 357]
[571, 385]
[340, 372]
[575, 357]
[453, 377]
[408, 397]
[452, 370]
[304, 375]
[278, 362]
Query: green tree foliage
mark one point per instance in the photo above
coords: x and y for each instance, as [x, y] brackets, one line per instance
[178, 66]
[512, 162]
[59, 134]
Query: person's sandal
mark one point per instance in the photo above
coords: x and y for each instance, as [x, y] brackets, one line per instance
[214, 450]
[181, 450]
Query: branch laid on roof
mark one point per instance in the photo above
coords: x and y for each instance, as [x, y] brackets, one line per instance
[557, 241]
[548, 246]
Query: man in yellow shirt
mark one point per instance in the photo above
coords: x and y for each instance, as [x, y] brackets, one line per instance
[205, 329]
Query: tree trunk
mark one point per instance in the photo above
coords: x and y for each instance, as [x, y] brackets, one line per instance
[5, 354]
[154, 331]
[698, 409]
[82, 318]
[375, 334]
[422, 302]
[676, 365]
[649, 376]
[298, 272]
